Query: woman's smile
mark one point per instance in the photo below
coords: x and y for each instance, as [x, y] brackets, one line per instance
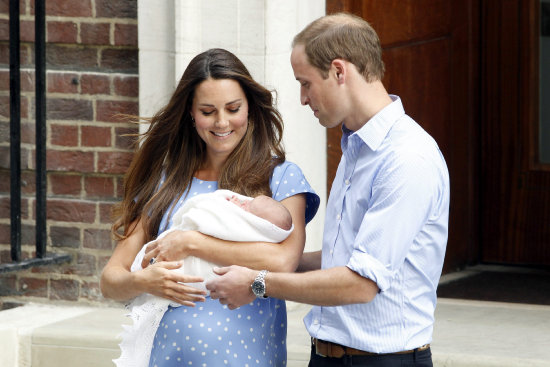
[222, 135]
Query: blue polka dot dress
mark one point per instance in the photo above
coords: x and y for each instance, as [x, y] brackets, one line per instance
[212, 335]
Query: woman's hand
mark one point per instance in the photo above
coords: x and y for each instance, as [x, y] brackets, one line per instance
[172, 247]
[160, 280]
[121, 284]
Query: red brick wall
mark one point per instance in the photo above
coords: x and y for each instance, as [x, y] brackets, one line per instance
[92, 67]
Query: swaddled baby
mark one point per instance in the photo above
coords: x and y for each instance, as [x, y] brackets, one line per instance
[222, 214]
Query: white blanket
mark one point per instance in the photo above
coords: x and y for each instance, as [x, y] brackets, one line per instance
[211, 214]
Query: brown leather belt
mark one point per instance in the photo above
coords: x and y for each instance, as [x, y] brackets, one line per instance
[329, 349]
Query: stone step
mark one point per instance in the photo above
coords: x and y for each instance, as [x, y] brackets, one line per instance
[466, 334]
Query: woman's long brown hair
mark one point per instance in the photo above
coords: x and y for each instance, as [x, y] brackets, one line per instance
[172, 147]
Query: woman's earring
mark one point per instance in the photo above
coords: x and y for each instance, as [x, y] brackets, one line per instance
[193, 121]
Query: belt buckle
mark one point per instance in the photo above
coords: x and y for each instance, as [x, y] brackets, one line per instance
[315, 342]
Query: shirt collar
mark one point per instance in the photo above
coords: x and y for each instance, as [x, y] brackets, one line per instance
[376, 129]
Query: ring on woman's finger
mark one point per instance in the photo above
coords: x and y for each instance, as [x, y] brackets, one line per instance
[153, 260]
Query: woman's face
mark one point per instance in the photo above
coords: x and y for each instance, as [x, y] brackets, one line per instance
[220, 110]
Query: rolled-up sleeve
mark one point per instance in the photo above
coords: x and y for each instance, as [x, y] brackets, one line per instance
[400, 204]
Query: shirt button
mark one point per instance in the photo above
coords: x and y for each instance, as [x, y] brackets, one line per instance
[331, 251]
[338, 217]
[347, 182]
[315, 322]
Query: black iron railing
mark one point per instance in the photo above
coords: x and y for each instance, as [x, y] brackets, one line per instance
[42, 257]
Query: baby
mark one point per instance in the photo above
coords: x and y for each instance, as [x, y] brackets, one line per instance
[222, 214]
[266, 208]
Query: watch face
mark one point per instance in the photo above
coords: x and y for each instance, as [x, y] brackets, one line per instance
[258, 288]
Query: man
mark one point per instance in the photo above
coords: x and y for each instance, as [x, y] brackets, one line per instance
[374, 285]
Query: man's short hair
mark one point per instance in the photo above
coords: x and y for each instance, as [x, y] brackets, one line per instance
[343, 36]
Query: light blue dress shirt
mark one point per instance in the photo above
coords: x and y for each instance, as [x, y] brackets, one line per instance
[387, 220]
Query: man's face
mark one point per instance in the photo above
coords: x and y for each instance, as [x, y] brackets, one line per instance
[320, 94]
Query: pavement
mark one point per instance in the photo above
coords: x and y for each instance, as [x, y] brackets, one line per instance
[466, 334]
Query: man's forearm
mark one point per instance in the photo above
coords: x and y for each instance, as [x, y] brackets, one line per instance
[329, 287]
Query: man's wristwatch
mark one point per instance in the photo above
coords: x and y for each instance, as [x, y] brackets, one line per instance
[258, 285]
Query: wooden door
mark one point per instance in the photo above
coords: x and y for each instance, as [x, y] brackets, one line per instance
[515, 185]
[431, 56]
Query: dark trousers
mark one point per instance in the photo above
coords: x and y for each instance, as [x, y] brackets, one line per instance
[416, 359]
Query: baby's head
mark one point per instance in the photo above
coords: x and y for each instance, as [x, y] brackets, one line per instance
[267, 208]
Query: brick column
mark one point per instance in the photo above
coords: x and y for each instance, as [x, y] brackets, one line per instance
[92, 75]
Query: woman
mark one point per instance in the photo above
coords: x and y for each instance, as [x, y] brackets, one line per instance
[218, 131]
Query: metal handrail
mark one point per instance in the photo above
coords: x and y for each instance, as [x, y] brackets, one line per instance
[42, 258]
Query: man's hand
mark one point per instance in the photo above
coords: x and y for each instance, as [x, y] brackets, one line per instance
[232, 288]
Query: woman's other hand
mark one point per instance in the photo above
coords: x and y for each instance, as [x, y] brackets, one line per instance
[172, 247]
[160, 280]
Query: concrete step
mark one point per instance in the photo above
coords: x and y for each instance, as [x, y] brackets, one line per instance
[466, 334]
